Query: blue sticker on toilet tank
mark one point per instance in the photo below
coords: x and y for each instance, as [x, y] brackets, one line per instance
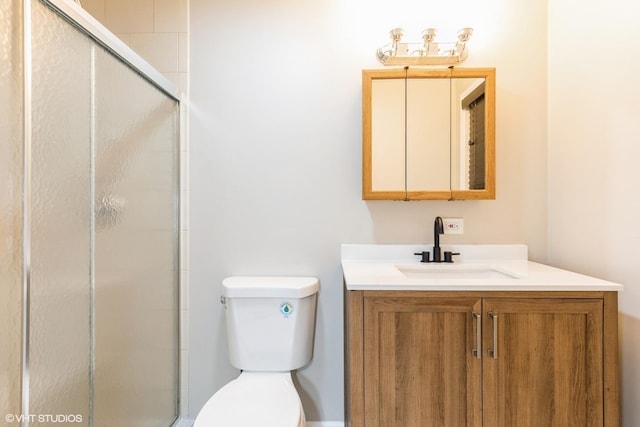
[286, 309]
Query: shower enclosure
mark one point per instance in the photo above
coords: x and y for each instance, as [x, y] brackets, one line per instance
[89, 208]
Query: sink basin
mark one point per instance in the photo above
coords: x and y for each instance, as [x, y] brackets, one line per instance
[452, 271]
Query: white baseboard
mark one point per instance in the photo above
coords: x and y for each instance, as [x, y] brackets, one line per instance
[325, 424]
[186, 422]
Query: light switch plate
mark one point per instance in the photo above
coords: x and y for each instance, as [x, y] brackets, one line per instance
[453, 225]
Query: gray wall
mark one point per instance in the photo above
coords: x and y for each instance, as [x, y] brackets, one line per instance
[275, 175]
[594, 203]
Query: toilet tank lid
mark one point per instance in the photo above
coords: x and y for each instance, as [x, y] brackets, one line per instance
[269, 286]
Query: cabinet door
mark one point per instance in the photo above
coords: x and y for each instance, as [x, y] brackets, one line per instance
[428, 130]
[419, 369]
[543, 362]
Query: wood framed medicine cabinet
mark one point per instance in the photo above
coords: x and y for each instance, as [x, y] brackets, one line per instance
[428, 134]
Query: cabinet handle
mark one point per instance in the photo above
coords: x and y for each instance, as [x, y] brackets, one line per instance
[493, 352]
[477, 351]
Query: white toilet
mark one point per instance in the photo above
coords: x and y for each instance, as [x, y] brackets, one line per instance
[270, 328]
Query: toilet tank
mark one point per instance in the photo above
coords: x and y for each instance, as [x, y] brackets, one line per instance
[270, 321]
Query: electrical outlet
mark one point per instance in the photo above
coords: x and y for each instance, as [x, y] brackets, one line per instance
[453, 225]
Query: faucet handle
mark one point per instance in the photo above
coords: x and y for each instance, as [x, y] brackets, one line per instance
[448, 256]
[425, 256]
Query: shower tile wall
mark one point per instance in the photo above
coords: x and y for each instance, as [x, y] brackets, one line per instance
[158, 30]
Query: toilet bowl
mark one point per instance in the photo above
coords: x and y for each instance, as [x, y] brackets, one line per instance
[254, 399]
[270, 328]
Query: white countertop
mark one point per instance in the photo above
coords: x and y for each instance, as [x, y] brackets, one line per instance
[498, 267]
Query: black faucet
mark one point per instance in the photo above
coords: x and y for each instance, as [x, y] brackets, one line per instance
[438, 229]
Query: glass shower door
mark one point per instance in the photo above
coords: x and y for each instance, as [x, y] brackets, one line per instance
[60, 209]
[95, 248]
[11, 177]
[136, 262]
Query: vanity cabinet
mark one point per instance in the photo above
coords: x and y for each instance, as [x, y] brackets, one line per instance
[492, 358]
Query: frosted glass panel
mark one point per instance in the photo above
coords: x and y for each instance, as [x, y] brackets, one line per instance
[136, 308]
[101, 231]
[61, 214]
[11, 123]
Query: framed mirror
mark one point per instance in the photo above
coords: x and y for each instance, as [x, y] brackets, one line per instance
[428, 134]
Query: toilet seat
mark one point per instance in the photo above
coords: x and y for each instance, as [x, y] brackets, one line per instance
[254, 399]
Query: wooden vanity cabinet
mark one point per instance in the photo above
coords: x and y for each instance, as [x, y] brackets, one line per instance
[417, 370]
[539, 359]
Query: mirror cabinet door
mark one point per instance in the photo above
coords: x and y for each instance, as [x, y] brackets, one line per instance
[468, 134]
[428, 134]
[388, 135]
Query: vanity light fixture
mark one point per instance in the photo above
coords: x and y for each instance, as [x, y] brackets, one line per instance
[429, 52]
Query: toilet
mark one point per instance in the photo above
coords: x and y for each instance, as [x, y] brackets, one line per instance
[270, 329]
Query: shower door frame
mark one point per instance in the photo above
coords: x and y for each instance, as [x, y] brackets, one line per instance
[89, 26]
